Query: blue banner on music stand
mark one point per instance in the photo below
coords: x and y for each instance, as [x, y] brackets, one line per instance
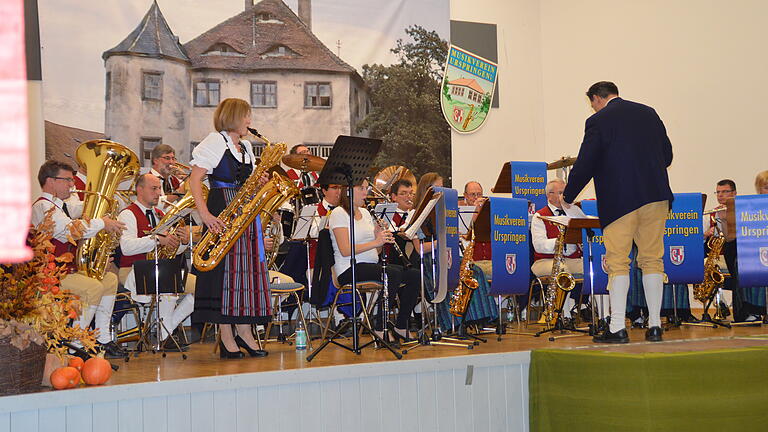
[450, 213]
[528, 182]
[509, 246]
[684, 240]
[752, 239]
[600, 276]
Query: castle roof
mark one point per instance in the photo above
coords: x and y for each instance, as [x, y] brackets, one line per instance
[62, 141]
[152, 38]
[268, 36]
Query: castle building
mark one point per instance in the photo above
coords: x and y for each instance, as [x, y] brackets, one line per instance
[160, 91]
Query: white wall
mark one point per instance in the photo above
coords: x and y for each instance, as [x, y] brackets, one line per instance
[700, 63]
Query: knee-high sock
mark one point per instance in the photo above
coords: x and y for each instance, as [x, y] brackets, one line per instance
[182, 311]
[618, 296]
[86, 317]
[567, 306]
[653, 284]
[165, 307]
[103, 318]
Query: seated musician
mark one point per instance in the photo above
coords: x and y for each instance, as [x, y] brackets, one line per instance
[163, 167]
[544, 236]
[369, 238]
[401, 193]
[97, 296]
[302, 179]
[139, 218]
[473, 192]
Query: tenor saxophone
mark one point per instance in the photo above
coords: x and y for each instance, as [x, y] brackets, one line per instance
[561, 282]
[467, 284]
[712, 275]
[248, 203]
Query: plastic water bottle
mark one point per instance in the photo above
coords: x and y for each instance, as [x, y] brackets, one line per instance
[301, 335]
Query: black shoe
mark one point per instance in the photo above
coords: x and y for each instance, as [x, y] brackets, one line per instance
[112, 350]
[620, 337]
[253, 352]
[168, 345]
[653, 334]
[397, 337]
[724, 312]
[224, 353]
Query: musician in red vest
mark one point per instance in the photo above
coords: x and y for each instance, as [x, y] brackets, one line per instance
[97, 296]
[140, 218]
[307, 178]
[163, 158]
[544, 236]
[331, 197]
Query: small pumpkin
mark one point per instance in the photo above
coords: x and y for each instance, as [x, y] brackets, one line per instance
[96, 371]
[65, 377]
[77, 363]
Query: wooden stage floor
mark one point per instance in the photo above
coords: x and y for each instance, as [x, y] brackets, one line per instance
[202, 362]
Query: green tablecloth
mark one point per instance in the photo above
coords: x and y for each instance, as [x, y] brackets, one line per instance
[719, 390]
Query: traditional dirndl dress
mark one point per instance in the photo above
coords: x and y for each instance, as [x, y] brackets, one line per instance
[237, 290]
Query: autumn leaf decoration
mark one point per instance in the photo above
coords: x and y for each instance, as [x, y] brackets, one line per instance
[33, 307]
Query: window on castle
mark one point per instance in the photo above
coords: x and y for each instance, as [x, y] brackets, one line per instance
[264, 94]
[279, 51]
[223, 50]
[108, 86]
[317, 95]
[152, 86]
[207, 93]
[145, 149]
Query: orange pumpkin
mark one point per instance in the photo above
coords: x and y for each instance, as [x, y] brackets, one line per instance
[77, 363]
[65, 377]
[96, 371]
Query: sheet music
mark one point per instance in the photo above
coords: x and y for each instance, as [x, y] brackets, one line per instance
[414, 226]
[466, 213]
[562, 220]
[308, 218]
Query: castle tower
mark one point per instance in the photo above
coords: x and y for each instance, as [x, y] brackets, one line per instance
[147, 89]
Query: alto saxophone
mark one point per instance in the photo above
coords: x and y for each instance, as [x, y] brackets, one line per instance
[561, 282]
[174, 215]
[107, 164]
[248, 203]
[712, 275]
[467, 284]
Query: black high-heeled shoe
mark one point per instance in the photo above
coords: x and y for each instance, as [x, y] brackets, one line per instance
[226, 354]
[253, 352]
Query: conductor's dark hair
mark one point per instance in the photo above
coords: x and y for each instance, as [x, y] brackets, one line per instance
[50, 169]
[727, 182]
[602, 89]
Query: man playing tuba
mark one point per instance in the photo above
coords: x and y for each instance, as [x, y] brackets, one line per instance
[97, 296]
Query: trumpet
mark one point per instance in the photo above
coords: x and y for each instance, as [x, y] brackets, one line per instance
[180, 169]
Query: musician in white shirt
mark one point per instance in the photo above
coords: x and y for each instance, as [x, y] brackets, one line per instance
[97, 296]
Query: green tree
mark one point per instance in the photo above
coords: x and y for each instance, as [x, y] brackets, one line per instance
[406, 113]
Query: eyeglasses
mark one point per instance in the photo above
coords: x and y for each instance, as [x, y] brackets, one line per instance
[67, 179]
[168, 158]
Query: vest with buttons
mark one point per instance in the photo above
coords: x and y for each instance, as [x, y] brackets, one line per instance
[142, 228]
[552, 232]
[59, 247]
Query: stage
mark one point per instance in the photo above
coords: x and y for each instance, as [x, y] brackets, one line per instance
[430, 389]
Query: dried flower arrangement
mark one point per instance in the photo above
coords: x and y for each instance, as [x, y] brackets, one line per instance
[33, 307]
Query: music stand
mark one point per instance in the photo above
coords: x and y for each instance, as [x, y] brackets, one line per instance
[348, 164]
[573, 234]
[303, 231]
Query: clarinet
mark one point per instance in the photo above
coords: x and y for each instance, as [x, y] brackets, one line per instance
[384, 226]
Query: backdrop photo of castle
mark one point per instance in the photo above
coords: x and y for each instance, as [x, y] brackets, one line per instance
[159, 90]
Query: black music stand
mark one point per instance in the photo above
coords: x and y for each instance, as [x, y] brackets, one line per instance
[348, 164]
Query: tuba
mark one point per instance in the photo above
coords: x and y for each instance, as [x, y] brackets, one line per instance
[467, 284]
[174, 217]
[248, 203]
[561, 282]
[107, 164]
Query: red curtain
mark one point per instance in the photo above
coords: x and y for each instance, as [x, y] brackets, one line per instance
[14, 143]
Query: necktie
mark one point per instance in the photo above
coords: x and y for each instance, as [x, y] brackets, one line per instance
[560, 212]
[167, 188]
[399, 218]
[65, 210]
[151, 218]
[305, 180]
